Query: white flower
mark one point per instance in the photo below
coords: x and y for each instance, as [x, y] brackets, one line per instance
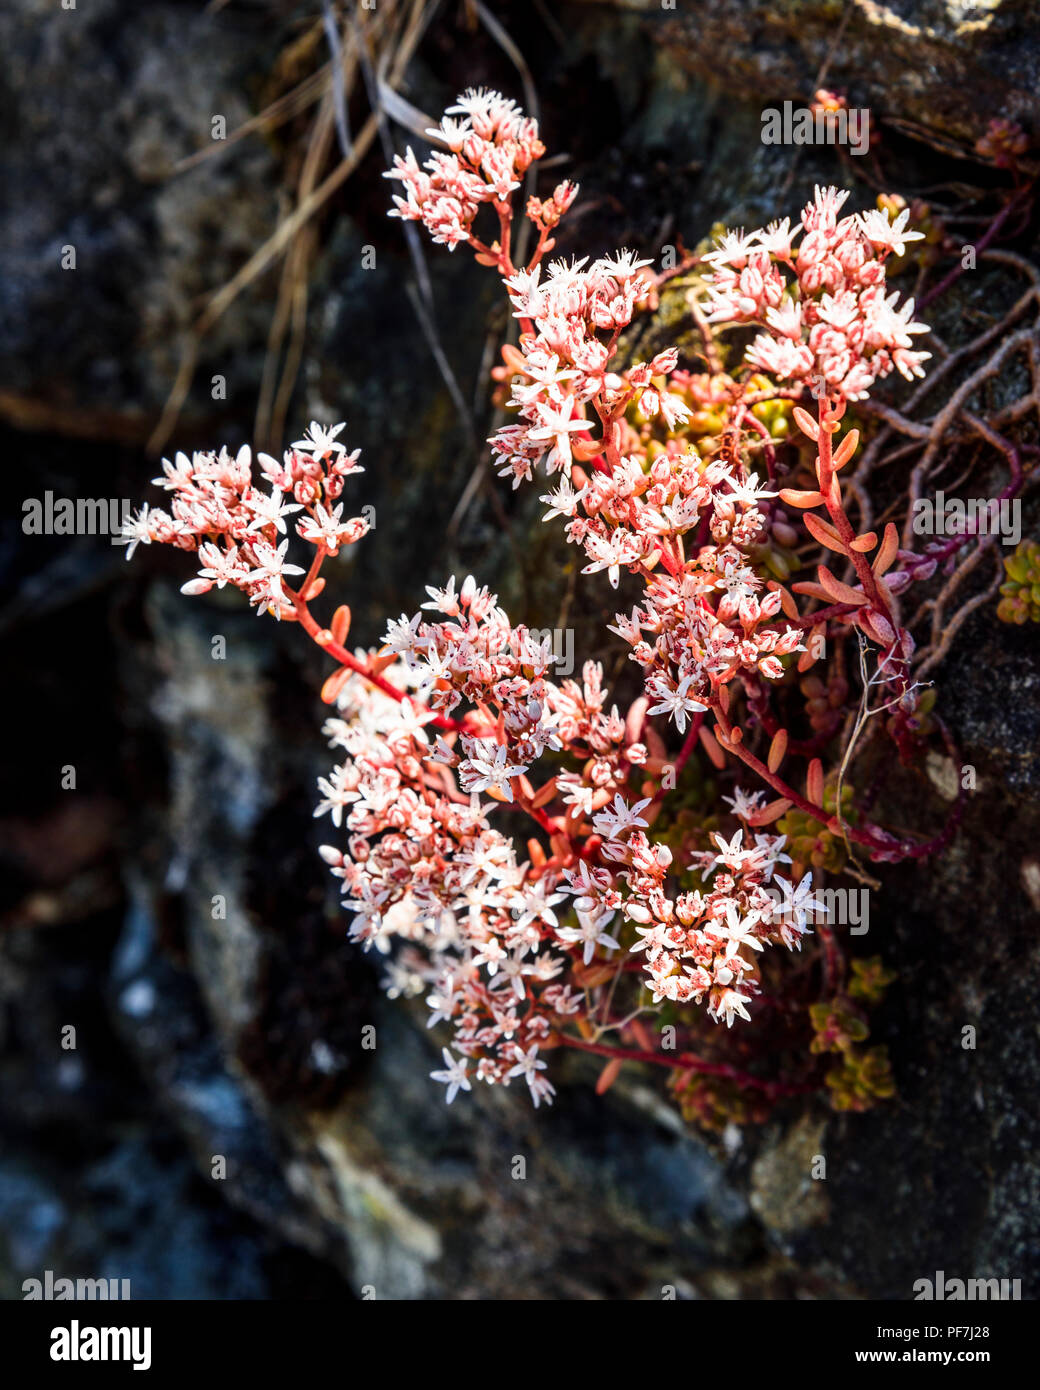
[268, 510]
[614, 821]
[555, 423]
[337, 795]
[319, 441]
[541, 1089]
[575, 792]
[271, 566]
[740, 582]
[674, 409]
[610, 553]
[731, 854]
[455, 1075]
[537, 903]
[563, 502]
[410, 721]
[675, 703]
[528, 1065]
[751, 491]
[513, 968]
[429, 671]
[733, 248]
[221, 567]
[738, 928]
[135, 532]
[729, 1004]
[327, 528]
[479, 773]
[622, 265]
[176, 475]
[886, 235]
[492, 953]
[590, 933]
[400, 635]
[744, 803]
[443, 600]
[628, 629]
[453, 133]
[777, 237]
[798, 903]
[786, 319]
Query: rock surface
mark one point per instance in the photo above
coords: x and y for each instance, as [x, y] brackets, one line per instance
[910, 60]
[180, 919]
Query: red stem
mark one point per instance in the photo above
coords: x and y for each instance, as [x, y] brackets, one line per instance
[686, 1061]
[339, 653]
[818, 813]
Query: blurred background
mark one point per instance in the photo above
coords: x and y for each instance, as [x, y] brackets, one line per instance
[216, 173]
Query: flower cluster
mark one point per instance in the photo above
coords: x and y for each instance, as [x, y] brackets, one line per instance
[425, 867]
[693, 945]
[828, 318]
[623, 904]
[477, 655]
[238, 529]
[561, 370]
[488, 152]
[689, 651]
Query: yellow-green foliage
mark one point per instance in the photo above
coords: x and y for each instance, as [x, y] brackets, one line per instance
[810, 844]
[1021, 593]
[862, 1079]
